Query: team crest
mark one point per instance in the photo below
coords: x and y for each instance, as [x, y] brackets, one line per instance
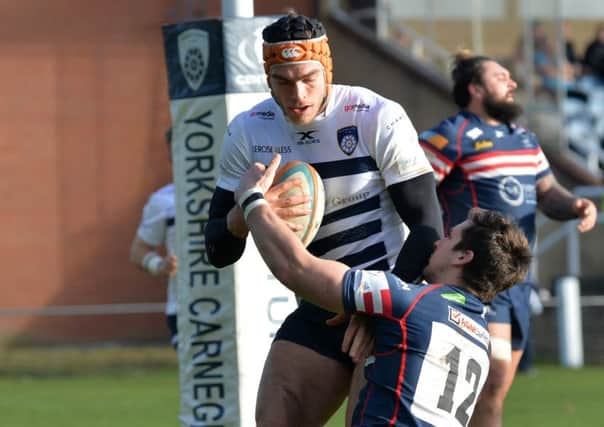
[348, 139]
[194, 55]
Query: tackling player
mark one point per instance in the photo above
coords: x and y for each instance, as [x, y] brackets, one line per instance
[482, 159]
[431, 341]
[376, 177]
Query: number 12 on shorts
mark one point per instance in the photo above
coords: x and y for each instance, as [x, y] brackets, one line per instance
[450, 378]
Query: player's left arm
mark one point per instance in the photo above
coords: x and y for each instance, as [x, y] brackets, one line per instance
[316, 280]
[558, 203]
[417, 204]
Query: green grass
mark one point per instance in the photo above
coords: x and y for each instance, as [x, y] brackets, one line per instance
[114, 387]
[134, 387]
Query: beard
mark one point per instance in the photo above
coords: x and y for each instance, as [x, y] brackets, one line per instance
[502, 111]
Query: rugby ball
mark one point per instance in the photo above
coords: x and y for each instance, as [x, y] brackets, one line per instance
[312, 185]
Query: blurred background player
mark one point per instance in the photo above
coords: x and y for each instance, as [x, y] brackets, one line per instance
[156, 236]
[376, 176]
[431, 341]
[482, 159]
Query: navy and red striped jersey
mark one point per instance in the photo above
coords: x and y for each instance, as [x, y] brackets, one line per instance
[492, 167]
[431, 351]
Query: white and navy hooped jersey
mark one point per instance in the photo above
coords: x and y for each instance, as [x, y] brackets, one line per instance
[431, 351]
[157, 228]
[492, 167]
[362, 144]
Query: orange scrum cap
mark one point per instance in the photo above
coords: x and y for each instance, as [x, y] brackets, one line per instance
[291, 51]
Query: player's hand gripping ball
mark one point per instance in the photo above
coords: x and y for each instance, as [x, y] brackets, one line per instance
[311, 185]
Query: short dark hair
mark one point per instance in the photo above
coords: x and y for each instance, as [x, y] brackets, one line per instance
[467, 69]
[293, 27]
[502, 255]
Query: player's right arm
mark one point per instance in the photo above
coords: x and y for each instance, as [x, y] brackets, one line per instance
[224, 245]
[314, 279]
[226, 230]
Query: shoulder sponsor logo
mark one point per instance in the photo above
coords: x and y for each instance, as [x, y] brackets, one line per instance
[360, 108]
[469, 326]
[437, 141]
[194, 56]
[263, 115]
[394, 122]
[307, 137]
[483, 145]
[281, 149]
[290, 53]
[348, 139]
[455, 297]
[474, 133]
[511, 191]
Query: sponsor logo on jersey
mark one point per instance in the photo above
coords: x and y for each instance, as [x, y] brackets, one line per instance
[263, 115]
[483, 145]
[194, 56]
[307, 137]
[511, 191]
[395, 121]
[474, 133]
[337, 201]
[526, 142]
[348, 139]
[356, 108]
[281, 149]
[499, 134]
[468, 325]
[437, 141]
[455, 297]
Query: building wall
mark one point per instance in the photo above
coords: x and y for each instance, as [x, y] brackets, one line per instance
[82, 118]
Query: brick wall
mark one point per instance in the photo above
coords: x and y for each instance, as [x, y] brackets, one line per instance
[83, 112]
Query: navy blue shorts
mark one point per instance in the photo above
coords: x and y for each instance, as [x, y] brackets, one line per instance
[512, 306]
[306, 326]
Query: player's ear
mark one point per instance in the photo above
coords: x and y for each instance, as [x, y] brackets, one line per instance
[476, 90]
[463, 257]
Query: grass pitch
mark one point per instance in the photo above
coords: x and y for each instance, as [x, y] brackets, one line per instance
[113, 387]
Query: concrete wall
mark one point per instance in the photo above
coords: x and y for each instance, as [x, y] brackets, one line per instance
[359, 59]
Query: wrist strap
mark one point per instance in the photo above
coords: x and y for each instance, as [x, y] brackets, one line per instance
[249, 206]
[248, 193]
[250, 199]
[152, 262]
